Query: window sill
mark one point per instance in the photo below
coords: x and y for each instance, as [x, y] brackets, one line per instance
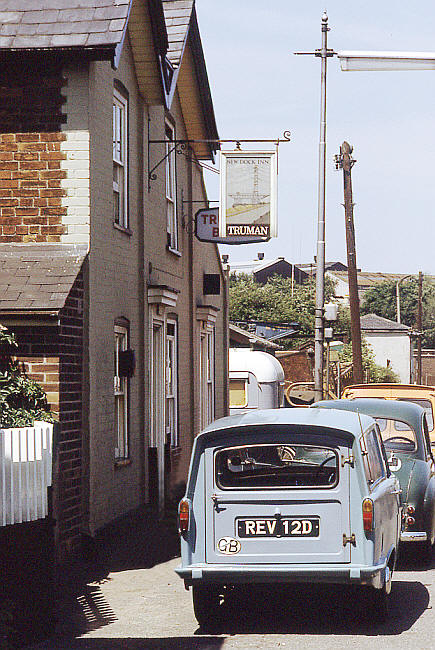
[122, 462]
[174, 251]
[126, 231]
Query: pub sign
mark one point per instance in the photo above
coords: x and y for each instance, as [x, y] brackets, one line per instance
[248, 194]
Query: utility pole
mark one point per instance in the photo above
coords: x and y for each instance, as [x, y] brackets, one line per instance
[345, 161]
[320, 257]
[323, 53]
[419, 325]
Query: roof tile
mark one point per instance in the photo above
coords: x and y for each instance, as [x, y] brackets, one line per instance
[9, 17]
[39, 17]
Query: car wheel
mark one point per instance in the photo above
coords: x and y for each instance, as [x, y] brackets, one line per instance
[380, 603]
[207, 605]
[425, 551]
[380, 598]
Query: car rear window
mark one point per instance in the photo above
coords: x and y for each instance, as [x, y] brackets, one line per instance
[397, 435]
[276, 465]
[426, 404]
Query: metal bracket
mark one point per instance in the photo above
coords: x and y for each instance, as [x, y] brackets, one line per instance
[350, 461]
[349, 540]
[180, 147]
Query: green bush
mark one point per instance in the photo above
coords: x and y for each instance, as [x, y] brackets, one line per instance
[22, 400]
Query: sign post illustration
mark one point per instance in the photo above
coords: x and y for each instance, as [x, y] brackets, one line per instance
[248, 195]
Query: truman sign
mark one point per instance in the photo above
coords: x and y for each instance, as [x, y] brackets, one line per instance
[248, 195]
[207, 229]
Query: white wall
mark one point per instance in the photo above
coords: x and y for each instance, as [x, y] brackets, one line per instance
[395, 347]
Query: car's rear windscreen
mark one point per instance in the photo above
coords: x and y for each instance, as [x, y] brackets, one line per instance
[276, 465]
[426, 404]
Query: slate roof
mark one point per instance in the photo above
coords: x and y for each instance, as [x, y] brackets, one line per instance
[177, 18]
[240, 334]
[41, 24]
[38, 277]
[375, 323]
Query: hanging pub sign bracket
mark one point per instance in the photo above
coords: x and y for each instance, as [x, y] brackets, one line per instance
[180, 146]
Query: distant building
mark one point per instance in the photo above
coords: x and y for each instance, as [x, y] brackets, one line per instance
[366, 281]
[262, 269]
[391, 343]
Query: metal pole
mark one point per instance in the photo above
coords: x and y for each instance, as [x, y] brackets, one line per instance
[419, 325]
[320, 259]
[327, 369]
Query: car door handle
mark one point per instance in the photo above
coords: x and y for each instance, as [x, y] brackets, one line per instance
[396, 492]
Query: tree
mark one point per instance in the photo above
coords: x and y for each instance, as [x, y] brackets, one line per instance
[22, 400]
[274, 302]
[381, 300]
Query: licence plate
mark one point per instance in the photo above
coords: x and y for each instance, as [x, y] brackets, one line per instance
[283, 527]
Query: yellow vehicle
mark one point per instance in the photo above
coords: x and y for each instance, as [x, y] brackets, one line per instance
[422, 395]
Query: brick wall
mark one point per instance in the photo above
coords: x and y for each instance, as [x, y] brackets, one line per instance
[53, 356]
[31, 95]
[70, 443]
[45, 370]
[31, 194]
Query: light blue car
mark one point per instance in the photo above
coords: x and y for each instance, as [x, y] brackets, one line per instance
[288, 496]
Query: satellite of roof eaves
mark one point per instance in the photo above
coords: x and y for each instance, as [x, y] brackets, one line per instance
[54, 24]
[177, 17]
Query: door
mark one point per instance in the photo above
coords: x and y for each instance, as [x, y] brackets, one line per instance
[277, 504]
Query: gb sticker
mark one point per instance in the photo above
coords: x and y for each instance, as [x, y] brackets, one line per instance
[228, 546]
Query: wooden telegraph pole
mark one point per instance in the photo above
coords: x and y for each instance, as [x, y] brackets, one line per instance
[345, 162]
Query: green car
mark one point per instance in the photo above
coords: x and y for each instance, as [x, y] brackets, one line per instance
[404, 431]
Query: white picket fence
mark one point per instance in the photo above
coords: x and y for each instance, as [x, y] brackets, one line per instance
[26, 457]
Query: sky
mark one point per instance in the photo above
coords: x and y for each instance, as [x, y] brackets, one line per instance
[261, 89]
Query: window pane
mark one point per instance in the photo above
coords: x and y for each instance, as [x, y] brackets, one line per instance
[374, 457]
[276, 465]
[238, 397]
[397, 435]
[425, 403]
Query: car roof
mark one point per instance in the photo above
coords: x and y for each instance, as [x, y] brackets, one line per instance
[350, 422]
[382, 408]
[396, 388]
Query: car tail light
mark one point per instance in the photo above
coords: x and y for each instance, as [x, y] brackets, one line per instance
[410, 521]
[410, 510]
[367, 512]
[183, 516]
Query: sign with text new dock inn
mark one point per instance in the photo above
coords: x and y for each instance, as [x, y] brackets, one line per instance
[248, 194]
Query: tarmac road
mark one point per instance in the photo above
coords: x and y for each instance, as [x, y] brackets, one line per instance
[148, 608]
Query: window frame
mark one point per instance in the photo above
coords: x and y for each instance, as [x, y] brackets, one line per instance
[372, 478]
[171, 188]
[120, 162]
[171, 383]
[121, 394]
[207, 375]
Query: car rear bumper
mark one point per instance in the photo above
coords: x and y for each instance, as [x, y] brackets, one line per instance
[413, 536]
[265, 573]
